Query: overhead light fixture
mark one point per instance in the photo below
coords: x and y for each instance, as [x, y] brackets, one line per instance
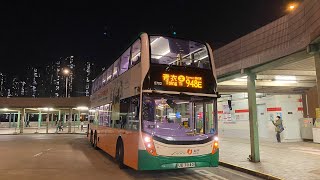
[286, 78]
[203, 57]
[285, 82]
[82, 108]
[160, 47]
[241, 79]
[136, 55]
[46, 109]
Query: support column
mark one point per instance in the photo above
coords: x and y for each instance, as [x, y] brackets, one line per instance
[317, 65]
[64, 117]
[39, 119]
[78, 118]
[69, 121]
[18, 120]
[59, 115]
[10, 120]
[22, 120]
[28, 119]
[52, 120]
[253, 123]
[96, 114]
[14, 119]
[47, 123]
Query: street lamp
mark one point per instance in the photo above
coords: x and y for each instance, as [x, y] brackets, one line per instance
[292, 6]
[66, 72]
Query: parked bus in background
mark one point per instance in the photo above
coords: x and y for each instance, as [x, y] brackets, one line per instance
[155, 107]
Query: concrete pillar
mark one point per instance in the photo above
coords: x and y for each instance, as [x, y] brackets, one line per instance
[23, 115]
[47, 123]
[18, 120]
[28, 118]
[14, 118]
[317, 65]
[64, 117]
[59, 115]
[52, 120]
[96, 117]
[10, 120]
[78, 118]
[39, 119]
[253, 123]
[69, 121]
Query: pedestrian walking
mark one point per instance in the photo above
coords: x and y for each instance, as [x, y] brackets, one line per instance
[81, 124]
[278, 128]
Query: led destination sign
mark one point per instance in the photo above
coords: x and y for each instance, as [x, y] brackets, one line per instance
[182, 81]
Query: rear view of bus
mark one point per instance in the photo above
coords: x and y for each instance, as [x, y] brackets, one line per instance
[178, 110]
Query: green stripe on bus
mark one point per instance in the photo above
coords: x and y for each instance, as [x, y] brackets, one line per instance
[149, 162]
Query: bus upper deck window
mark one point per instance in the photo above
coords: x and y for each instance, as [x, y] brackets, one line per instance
[124, 62]
[179, 52]
[136, 52]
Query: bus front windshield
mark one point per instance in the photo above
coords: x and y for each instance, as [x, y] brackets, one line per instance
[179, 118]
[178, 52]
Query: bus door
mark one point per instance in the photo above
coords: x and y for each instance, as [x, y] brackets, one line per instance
[198, 117]
[203, 117]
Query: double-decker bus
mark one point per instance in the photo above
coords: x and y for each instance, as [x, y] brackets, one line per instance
[155, 107]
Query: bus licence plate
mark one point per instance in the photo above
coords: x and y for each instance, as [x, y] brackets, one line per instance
[186, 165]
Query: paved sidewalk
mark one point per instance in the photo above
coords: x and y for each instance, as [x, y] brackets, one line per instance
[298, 160]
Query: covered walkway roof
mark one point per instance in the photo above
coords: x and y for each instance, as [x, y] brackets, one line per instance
[276, 52]
[22, 102]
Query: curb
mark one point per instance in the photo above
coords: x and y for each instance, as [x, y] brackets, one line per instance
[248, 171]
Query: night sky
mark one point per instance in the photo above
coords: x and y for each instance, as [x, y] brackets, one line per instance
[36, 33]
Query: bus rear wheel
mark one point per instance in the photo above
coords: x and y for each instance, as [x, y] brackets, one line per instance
[120, 155]
[95, 140]
[91, 138]
[88, 130]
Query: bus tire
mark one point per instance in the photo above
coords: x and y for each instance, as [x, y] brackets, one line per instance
[91, 138]
[120, 154]
[95, 140]
[88, 130]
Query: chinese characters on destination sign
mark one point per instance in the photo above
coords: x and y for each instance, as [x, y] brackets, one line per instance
[182, 81]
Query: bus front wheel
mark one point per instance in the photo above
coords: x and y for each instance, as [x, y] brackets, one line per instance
[120, 154]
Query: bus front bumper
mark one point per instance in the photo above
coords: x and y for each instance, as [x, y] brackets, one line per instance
[149, 162]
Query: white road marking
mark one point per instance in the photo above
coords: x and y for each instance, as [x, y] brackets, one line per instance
[41, 153]
[209, 174]
[37, 154]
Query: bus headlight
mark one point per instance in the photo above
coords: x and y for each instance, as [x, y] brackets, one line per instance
[148, 143]
[215, 145]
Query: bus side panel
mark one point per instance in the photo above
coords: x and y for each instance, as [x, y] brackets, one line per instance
[107, 138]
[111, 141]
[105, 141]
[130, 143]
